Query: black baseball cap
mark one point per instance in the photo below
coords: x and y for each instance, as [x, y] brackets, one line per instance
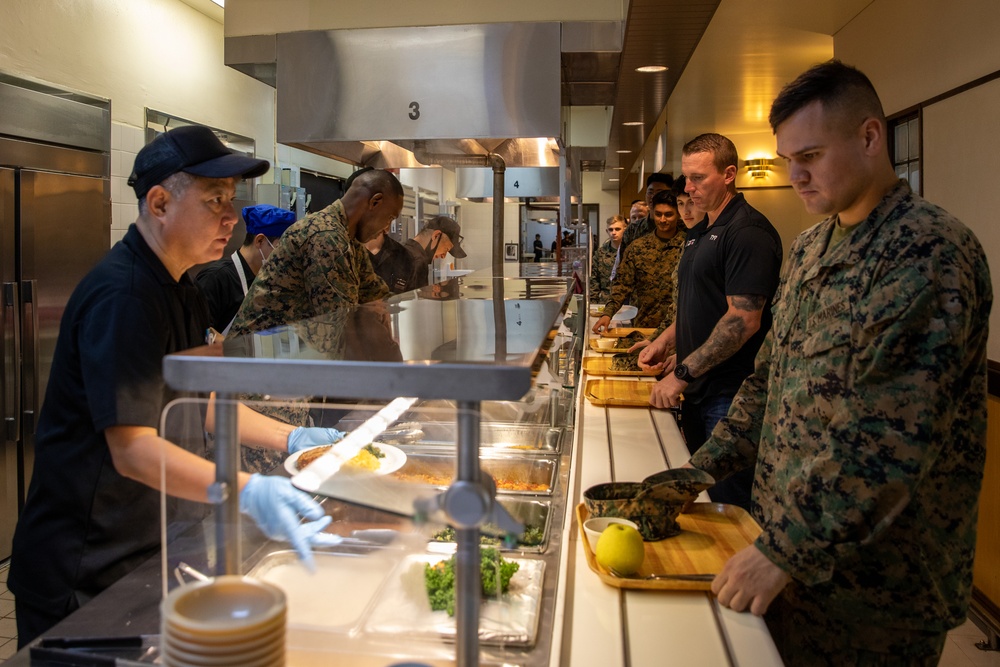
[193, 149]
[450, 229]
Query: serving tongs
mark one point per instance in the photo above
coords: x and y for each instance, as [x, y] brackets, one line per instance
[404, 433]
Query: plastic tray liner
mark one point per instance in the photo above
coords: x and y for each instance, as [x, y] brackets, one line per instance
[335, 597]
[512, 620]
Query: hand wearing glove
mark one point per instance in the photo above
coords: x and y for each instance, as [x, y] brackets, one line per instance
[304, 438]
[275, 505]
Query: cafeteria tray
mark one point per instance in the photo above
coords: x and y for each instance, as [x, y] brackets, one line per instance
[621, 332]
[602, 366]
[610, 350]
[436, 468]
[710, 534]
[404, 610]
[618, 393]
[529, 513]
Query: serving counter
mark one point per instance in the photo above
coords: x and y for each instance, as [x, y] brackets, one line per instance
[484, 342]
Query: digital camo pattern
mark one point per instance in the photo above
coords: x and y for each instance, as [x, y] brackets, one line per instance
[869, 405]
[600, 272]
[637, 230]
[315, 266]
[647, 276]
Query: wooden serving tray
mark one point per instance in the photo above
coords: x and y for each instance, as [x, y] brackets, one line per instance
[619, 393]
[602, 366]
[612, 350]
[621, 332]
[710, 534]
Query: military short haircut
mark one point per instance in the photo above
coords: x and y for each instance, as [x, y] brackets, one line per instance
[657, 177]
[378, 180]
[722, 149]
[679, 184]
[844, 91]
[665, 197]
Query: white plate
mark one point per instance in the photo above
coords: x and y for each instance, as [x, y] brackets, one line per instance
[393, 461]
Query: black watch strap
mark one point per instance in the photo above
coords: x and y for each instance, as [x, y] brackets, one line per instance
[682, 373]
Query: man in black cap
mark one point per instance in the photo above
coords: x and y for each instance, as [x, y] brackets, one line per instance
[92, 507]
[439, 236]
[224, 282]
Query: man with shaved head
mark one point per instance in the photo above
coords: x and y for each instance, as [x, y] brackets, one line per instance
[320, 262]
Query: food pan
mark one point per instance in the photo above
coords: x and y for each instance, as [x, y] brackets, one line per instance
[531, 513]
[534, 475]
[501, 437]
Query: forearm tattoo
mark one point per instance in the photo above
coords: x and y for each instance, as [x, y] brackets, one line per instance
[727, 337]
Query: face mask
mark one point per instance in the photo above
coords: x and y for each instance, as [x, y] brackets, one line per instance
[263, 260]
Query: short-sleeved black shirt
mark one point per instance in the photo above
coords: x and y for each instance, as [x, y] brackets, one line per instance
[739, 254]
[84, 525]
[394, 265]
[223, 291]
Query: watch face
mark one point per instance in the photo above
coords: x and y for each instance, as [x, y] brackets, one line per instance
[682, 373]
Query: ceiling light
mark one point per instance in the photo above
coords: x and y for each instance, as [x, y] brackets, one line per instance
[632, 123]
[613, 180]
[651, 68]
[623, 152]
[618, 168]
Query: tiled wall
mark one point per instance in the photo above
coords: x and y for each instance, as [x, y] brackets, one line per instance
[126, 140]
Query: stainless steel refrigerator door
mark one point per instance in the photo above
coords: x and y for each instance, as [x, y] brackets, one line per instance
[65, 230]
[10, 373]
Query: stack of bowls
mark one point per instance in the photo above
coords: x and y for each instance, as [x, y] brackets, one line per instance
[229, 620]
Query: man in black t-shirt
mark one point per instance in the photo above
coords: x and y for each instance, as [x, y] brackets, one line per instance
[726, 279]
[392, 262]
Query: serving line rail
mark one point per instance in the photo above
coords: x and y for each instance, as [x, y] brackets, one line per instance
[608, 626]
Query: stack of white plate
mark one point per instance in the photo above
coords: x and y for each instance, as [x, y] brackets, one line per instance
[229, 620]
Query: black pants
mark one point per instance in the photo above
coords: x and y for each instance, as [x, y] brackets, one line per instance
[33, 621]
[697, 422]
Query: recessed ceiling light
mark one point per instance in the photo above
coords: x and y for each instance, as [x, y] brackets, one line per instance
[632, 123]
[613, 180]
[623, 152]
[618, 168]
[651, 68]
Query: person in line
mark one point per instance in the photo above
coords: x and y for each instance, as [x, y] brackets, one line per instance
[655, 182]
[866, 414]
[727, 276]
[225, 282]
[93, 505]
[637, 212]
[538, 248]
[689, 214]
[392, 263]
[440, 236]
[647, 274]
[321, 262]
[604, 259]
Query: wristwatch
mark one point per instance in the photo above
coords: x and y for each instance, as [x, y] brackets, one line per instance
[681, 372]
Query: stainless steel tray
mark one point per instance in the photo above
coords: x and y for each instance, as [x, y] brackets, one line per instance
[531, 513]
[516, 475]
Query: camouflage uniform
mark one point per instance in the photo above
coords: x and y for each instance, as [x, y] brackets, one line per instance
[867, 418]
[600, 272]
[315, 266]
[647, 275]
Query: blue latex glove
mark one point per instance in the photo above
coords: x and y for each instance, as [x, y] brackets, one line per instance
[304, 438]
[275, 505]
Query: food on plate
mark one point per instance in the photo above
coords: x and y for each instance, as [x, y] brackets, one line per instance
[504, 484]
[440, 579]
[366, 459]
[531, 537]
[625, 342]
[620, 548]
[625, 362]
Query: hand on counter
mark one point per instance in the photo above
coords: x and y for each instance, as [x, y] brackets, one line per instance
[602, 323]
[305, 438]
[749, 581]
[276, 506]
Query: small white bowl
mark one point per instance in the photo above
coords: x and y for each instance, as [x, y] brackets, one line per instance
[594, 527]
[606, 343]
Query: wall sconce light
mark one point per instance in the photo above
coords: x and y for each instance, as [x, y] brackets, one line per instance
[759, 167]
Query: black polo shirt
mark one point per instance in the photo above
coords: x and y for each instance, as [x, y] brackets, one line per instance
[84, 525]
[394, 265]
[223, 291]
[739, 254]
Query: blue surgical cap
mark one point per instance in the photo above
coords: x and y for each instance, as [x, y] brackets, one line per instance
[268, 220]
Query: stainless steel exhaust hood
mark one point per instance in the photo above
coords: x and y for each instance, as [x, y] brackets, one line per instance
[378, 96]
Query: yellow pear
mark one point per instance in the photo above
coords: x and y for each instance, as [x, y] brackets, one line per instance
[620, 548]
